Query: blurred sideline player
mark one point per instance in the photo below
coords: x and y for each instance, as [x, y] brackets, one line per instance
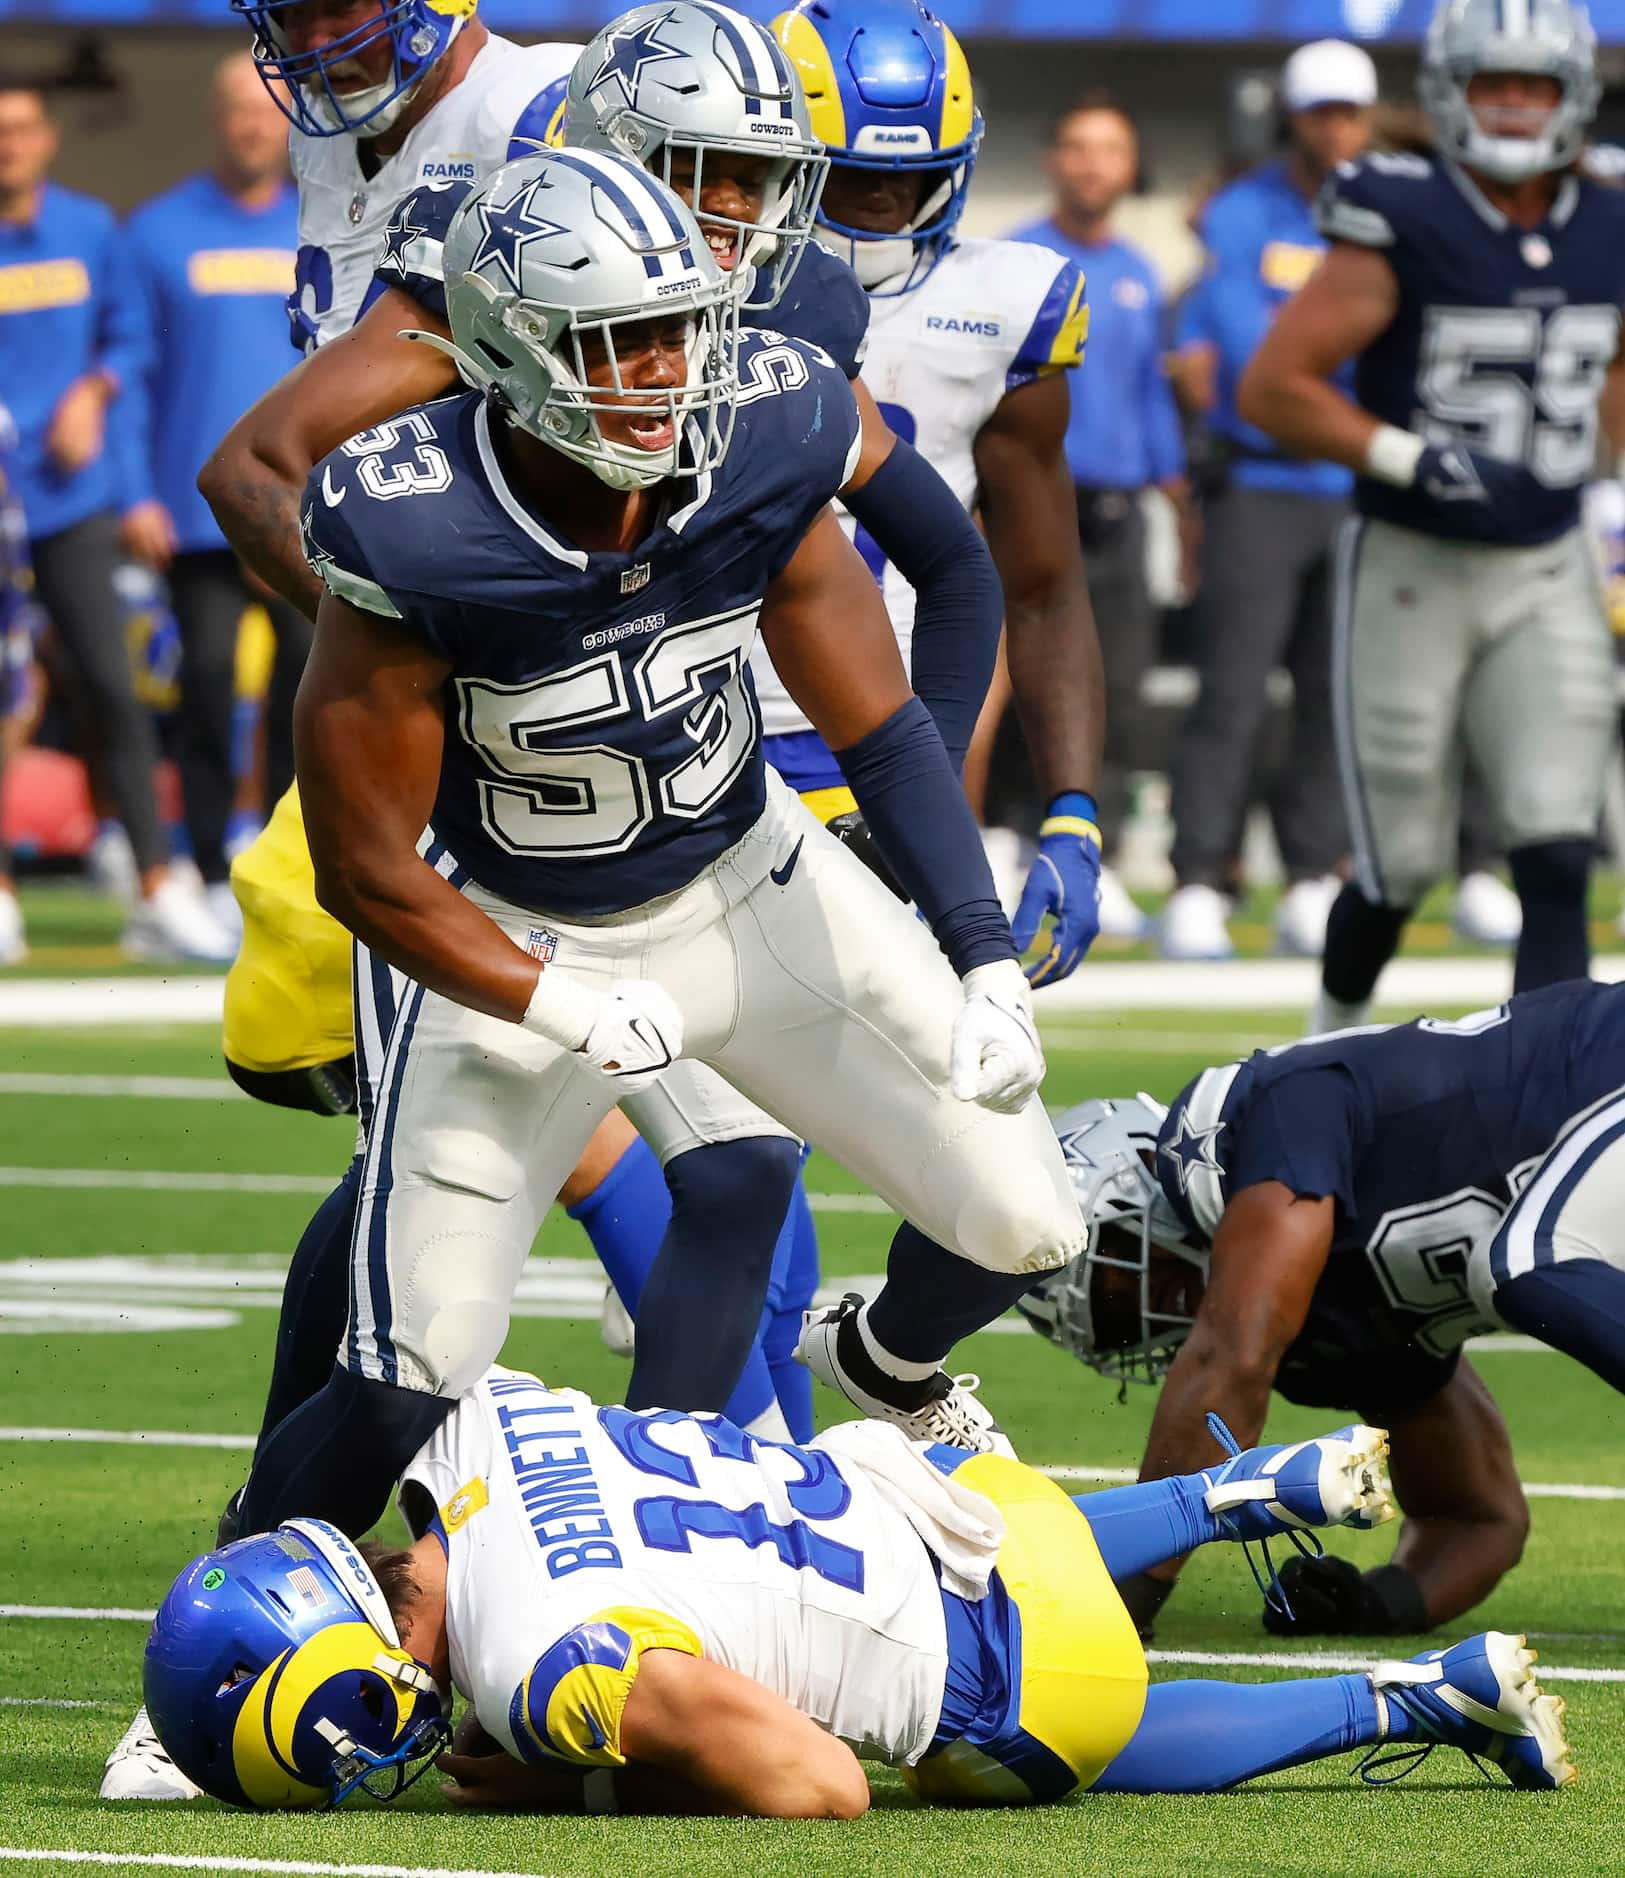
[19, 622]
[1480, 294]
[1333, 1220]
[970, 343]
[757, 211]
[745, 1620]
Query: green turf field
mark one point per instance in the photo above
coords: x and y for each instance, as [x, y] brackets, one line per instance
[142, 1228]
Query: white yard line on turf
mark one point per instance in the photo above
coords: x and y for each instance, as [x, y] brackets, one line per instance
[146, 1088]
[1157, 985]
[1101, 1476]
[152, 1180]
[53, 1701]
[214, 1861]
[1325, 1659]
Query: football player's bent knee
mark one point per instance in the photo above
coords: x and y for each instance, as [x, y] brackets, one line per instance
[454, 1332]
[1027, 1221]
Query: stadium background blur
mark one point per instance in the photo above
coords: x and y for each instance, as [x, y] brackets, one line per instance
[130, 83]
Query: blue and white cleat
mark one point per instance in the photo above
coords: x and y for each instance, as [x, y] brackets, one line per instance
[1338, 1480]
[1481, 1696]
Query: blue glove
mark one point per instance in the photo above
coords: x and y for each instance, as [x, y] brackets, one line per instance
[1452, 475]
[1064, 882]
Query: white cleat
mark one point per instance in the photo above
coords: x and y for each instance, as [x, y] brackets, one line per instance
[952, 1415]
[1300, 919]
[139, 1769]
[111, 864]
[1487, 911]
[13, 939]
[1120, 916]
[1335, 1480]
[222, 903]
[176, 924]
[1193, 925]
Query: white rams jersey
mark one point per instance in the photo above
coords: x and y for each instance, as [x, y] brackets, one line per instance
[990, 316]
[577, 1537]
[466, 135]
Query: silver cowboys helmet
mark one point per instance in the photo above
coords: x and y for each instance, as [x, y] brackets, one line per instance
[547, 264]
[689, 77]
[1550, 37]
[1110, 1147]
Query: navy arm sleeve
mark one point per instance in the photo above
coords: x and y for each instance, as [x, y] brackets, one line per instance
[912, 801]
[923, 529]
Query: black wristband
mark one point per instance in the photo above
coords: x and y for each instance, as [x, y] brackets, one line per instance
[1394, 1600]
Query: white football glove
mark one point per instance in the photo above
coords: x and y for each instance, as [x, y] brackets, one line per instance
[632, 1032]
[637, 1034]
[996, 1059]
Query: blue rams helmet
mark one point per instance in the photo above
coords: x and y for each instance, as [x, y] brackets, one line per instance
[275, 1677]
[888, 88]
[302, 82]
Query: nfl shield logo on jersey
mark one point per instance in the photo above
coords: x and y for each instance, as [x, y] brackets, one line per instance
[634, 579]
[542, 944]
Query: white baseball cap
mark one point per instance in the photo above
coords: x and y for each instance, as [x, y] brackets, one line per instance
[1328, 71]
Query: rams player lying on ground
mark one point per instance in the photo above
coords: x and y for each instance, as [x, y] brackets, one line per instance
[658, 1613]
[1333, 1219]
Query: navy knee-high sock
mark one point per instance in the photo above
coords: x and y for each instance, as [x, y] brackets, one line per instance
[1361, 937]
[702, 1301]
[1200, 1737]
[1551, 879]
[337, 1456]
[931, 1299]
[315, 1303]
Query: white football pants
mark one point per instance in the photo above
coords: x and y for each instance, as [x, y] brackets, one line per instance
[801, 979]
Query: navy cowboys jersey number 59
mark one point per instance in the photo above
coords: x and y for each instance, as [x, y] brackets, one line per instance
[1503, 336]
[599, 706]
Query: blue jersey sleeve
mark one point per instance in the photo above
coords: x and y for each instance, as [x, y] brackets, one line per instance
[411, 258]
[569, 1706]
[1299, 1129]
[1055, 340]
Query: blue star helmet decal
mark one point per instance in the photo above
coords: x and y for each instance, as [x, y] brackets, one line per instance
[1191, 1150]
[398, 237]
[509, 228]
[629, 51]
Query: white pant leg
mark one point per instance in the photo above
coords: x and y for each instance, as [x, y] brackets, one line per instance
[846, 1011]
[1402, 640]
[1539, 706]
[1570, 1208]
[692, 1107]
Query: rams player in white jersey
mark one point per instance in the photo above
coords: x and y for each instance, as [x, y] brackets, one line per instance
[656, 1613]
[969, 346]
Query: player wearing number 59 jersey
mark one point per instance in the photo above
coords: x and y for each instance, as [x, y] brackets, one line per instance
[1334, 1219]
[1479, 292]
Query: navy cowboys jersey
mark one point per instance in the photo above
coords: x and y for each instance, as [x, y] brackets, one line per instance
[1503, 335]
[823, 303]
[1423, 1134]
[603, 743]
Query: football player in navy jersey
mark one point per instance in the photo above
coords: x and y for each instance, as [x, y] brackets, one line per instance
[1479, 292]
[723, 86]
[532, 778]
[1333, 1220]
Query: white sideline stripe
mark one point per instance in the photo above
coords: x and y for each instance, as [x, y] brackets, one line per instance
[53, 1701]
[1325, 1659]
[1102, 1476]
[1534, 1489]
[157, 1181]
[80, 1613]
[149, 1088]
[1157, 985]
[213, 1861]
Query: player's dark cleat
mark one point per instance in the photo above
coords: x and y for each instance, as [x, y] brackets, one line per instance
[1337, 1480]
[942, 1409]
[1480, 1696]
